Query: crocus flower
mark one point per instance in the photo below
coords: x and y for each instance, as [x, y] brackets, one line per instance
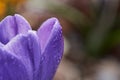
[26, 54]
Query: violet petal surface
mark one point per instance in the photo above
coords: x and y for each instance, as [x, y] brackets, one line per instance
[27, 49]
[11, 68]
[50, 33]
[11, 26]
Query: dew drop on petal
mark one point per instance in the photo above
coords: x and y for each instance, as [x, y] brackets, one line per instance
[42, 59]
[5, 63]
[57, 58]
[12, 57]
[20, 66]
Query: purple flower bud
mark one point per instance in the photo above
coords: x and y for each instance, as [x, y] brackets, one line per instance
[26, 54]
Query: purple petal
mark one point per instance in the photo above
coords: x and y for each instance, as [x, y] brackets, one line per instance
[1, 45]
[50, 34]
[11, 26]
[27, 49]
[11, 68]
[45, 30]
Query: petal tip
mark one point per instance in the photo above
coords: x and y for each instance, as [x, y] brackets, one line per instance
[18, 15]
[56, 22]
[54, 19]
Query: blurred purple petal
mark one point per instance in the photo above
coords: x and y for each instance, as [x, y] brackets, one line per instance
[26, 54]
[27, 49]
[11, 68]
[11, 26]
[51, 40]
[45, 30]
[1, 45]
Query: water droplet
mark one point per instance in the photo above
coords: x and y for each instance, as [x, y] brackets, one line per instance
[28, 39]
[60, 35]
[12, 57]
[42, 59]
[58, 58]
[54, 46]
[20, 66]
[5, 63]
